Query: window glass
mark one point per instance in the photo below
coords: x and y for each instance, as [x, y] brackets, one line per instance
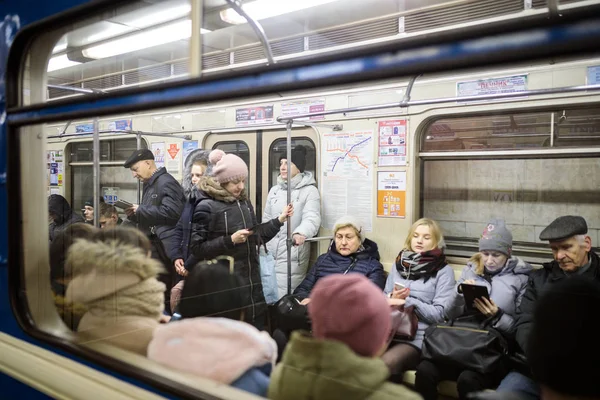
[110, 150]
[462, 195]
[278, 151]
[240, 149]
[518, 131]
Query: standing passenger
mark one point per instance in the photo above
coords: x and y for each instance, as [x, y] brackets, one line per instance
[305, 222]
[221, 226]
[427, 283]
[162, 203]
[196, 166]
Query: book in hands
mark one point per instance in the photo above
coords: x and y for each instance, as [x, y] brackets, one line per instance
[122, 204]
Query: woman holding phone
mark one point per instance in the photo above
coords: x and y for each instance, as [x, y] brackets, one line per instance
[422, 278]
[505, 278]
[221, 225]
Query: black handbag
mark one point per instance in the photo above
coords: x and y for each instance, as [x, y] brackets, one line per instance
[291, 315]
[467, 344]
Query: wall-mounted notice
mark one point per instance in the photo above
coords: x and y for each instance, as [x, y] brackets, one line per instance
[174, 158]
[158, 149]
[391, 194]
[593, 75]
[347, 177]
[54, 168]
[254, 115]
[507, 84]
[84, 128]
[188, 147]
[392, 142]
[120, 125]
[110, 194]
[303, 107]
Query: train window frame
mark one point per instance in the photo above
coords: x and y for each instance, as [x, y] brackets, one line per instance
[273, 166]
[464, 246]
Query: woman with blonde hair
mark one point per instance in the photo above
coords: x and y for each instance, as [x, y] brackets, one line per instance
[422, 278]
[505, 277]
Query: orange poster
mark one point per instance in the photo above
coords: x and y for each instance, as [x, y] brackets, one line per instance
[391, 194]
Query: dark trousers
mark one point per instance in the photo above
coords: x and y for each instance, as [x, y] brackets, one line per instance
[429, 375]
[168, 277]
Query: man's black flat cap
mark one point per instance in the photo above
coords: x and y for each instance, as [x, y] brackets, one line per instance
[564, 227]
[138, 155]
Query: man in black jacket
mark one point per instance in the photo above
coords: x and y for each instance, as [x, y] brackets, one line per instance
[162, 204]
[573, 256]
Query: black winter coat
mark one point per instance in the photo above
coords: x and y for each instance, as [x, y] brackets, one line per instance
[182, 236]
[540, 281]
[64, 216]
[217, 216]
[365, 262]
[162, 203]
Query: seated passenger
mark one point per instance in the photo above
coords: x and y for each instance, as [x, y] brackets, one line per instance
[573, 256]
[506, 279]
[115, 278]
[60, 214]
[70, 313]
[223, 347]
[88, 209]
[427, 283]
[109, 216]
[349, 252]
[351, 328]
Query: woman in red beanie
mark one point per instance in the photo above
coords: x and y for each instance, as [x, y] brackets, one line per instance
[221, 226]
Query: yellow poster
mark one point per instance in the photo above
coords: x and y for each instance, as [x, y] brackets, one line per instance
[391, 194]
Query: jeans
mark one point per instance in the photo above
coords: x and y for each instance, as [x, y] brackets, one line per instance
[518, 383]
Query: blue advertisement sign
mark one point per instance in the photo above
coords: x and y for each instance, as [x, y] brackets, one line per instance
[84, 128]
[593, 75]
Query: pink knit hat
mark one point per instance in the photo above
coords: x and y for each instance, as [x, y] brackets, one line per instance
[350, 309]
[227, 167]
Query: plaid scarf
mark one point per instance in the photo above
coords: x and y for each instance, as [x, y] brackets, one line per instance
[415, 266]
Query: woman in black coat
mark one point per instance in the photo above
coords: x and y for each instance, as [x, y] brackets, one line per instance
[224, 223]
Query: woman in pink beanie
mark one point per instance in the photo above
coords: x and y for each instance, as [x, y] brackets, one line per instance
[224, 223]
[351, 323]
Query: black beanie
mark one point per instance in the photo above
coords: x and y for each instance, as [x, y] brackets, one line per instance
[90, 202]
[298, 157]
[563, 352]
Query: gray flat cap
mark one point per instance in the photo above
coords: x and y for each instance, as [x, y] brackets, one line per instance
[564, 227]
[138, 155]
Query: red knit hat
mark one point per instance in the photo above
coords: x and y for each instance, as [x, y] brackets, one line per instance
[227, 167]
[350, 309]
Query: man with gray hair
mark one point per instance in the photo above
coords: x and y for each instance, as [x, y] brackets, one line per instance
[573, 256]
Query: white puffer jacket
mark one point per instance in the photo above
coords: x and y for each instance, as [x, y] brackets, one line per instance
[306, 221]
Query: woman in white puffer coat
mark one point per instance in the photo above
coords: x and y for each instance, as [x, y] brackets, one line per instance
[305, 222]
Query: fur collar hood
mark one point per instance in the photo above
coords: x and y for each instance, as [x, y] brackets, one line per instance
[213, 189]
[196, 155]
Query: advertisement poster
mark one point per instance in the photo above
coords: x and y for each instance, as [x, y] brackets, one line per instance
[84, 128]
[392, 142]
[593, 75]
[110, 194]
[54, 167]
[174, 158]
[507, 84]
[120, 125]
[347, 177]
[158, 149]
[391, 194]
[188, 147]
[303, 107]
[254, 115]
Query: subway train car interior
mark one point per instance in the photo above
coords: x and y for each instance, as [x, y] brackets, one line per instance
[457, 111]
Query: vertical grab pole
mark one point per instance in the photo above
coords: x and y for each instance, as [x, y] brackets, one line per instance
[138, 137]
[96, 171]
[289, 200]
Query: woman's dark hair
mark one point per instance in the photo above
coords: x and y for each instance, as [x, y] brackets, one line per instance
[124, 235]
[58, 252]
[210, 290]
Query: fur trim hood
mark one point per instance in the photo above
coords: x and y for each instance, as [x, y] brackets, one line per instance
[213, 189]
[196, 155]
[109, 258]
[220, 349]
